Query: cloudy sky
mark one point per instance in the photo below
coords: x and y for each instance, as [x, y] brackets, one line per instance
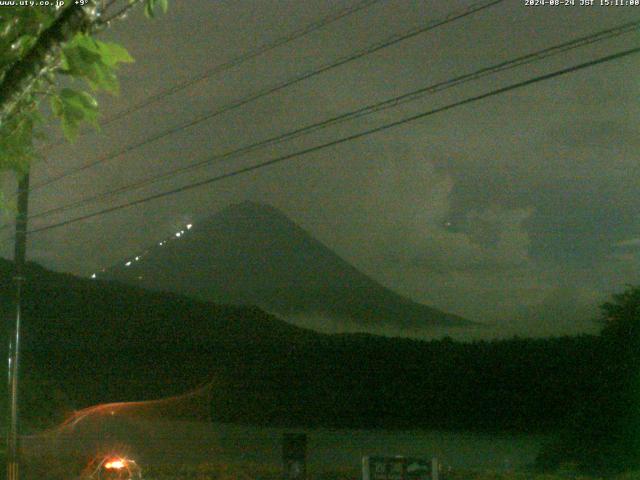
[521, 210]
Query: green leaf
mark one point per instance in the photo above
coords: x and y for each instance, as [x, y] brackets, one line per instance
[83, 58]
[74, 107]
[78, 60]
[16, 141]
[94, 61]
[87, 42]
[81, 100]
[150, 7]
[112, 53]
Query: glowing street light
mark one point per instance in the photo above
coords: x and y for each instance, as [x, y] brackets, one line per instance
[116, 464]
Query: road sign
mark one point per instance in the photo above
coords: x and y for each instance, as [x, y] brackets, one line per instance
[399, 468]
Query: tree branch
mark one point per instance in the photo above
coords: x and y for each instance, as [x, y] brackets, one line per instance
[120, 14]
[22, 76]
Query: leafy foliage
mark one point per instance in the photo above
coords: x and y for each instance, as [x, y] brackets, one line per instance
[19, 30]
[151, 6]
[16, 139]
[94, 61]
[621, 317]
[73, 107]
[603, 431]
[83, 58]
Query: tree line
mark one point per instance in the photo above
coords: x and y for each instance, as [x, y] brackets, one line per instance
[88, 342]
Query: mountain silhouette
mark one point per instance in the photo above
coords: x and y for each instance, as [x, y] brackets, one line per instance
[252, 254]
[86, 342]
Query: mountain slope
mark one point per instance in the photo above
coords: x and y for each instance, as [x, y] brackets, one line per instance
[112, 341]
[94, 341]
[252, 254]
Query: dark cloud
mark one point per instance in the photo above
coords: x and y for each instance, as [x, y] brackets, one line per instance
[511, 210]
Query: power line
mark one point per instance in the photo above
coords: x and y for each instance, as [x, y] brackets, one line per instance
[234, 62]
[367, 110]
[349, 138]
[392, 40]
[240, 59]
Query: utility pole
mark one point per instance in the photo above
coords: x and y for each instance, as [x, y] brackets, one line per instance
[14, 345]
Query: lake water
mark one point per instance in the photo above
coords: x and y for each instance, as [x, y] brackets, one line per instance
[183, 442]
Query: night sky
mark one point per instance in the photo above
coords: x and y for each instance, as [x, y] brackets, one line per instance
[521, 210]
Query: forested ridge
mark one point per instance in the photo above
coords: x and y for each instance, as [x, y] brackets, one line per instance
[88, 342]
